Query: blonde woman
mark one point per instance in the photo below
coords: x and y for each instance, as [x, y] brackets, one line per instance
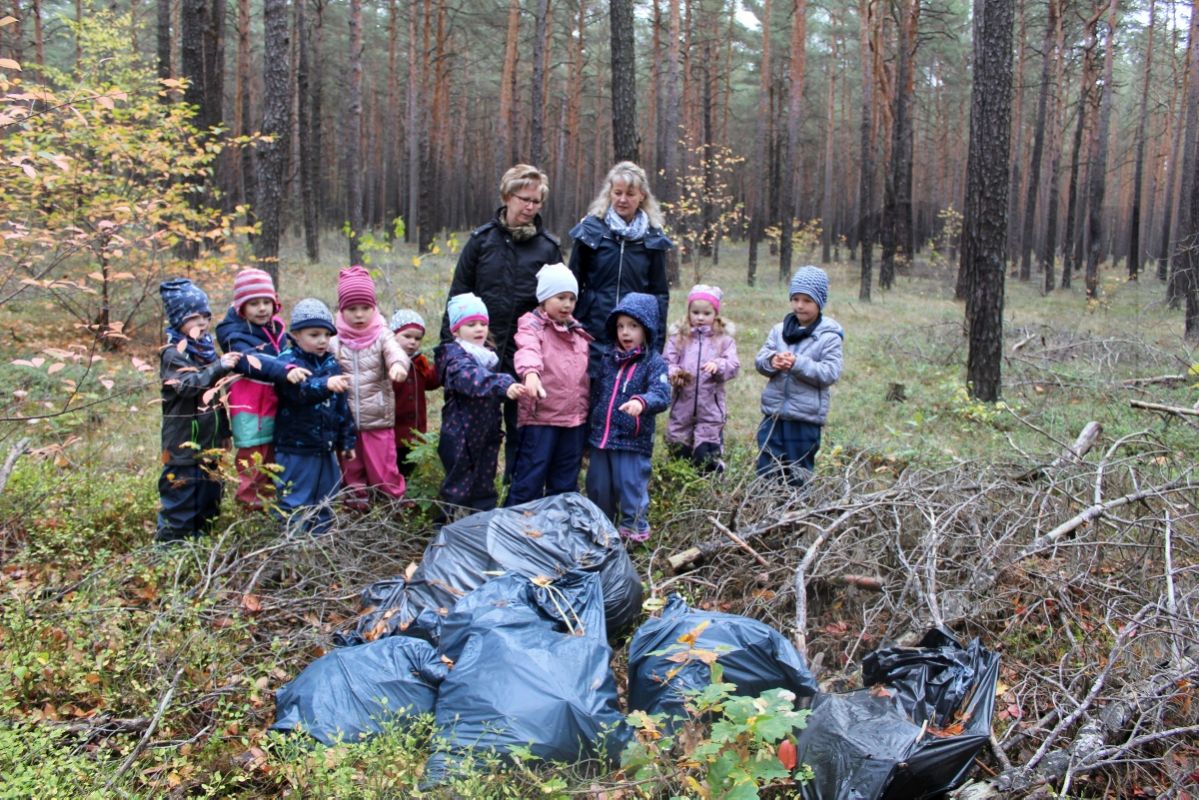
[619, 247]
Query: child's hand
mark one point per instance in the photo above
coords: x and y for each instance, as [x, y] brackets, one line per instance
[397, 373]
[349, 455]
[680, 378]
[783, 361]
[533, 387]
[229, 360]
[516, 390]
[633, 407]
[298, 375]
[338, 383]
[710, 368]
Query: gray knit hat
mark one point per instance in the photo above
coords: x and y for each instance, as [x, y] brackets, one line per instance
[554, 279]
[812, 281]
[312, 313]
[407, 318]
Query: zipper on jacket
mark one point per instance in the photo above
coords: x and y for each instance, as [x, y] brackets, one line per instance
[699, 353]
[357, 391]
[619, 270]
[611, 403]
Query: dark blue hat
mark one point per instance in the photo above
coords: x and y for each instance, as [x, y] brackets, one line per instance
[182, 300]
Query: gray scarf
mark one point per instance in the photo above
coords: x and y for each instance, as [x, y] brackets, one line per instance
[631, 231]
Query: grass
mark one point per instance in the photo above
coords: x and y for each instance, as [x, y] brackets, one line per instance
[93, 621]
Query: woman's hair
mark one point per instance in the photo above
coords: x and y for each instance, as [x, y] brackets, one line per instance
[523, 176]
[633, 176]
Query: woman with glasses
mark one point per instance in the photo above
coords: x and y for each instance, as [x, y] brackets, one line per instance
[499, 264]
[619, 248]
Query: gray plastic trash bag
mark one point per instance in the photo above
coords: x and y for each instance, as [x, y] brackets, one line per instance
[754, 656]
[901, 738]
[544, 538]
[348, 693]
[532, 670]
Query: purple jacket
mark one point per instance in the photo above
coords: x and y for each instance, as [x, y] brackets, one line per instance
[698, 413]
[558, 354]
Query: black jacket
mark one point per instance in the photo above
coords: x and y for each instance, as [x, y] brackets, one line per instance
[503, 272]
[311, 419]
[189, 424]
[609, 267]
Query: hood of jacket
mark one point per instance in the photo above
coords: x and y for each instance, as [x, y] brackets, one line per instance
[235, 333]
[641, 307]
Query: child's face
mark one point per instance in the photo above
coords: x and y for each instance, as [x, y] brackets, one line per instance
[312, 340]
[410, 339]
[258, 311]
[805, 308]
[195, 326]
[560, 306]
[629, 333]
[358, 315]
[700, 312]
[474, 332]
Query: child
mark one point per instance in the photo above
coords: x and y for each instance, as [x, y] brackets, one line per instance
[470, 420]
[630, 388]
[702, 356]
[313, 424]
[370, 355]
[191, 424]
[802, 358]
[252, 327]
[411, 407]
[551, 357]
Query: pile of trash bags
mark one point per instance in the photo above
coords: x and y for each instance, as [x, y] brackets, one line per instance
[503, 635]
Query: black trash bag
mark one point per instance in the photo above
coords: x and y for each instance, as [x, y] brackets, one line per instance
[754, 656]
[913, 734]
[543, 538]
[349, 693]
[532, 670]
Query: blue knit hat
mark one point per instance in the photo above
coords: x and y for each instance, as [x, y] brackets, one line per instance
[812, 281]
[466, 308]
[407, 318]
[312, 313]
[182, 300]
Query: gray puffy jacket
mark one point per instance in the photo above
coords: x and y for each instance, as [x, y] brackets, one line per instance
[801, 393]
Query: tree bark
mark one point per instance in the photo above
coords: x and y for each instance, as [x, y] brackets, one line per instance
[1014, 231]
[790, 160]
[985, 229]
[897, 238]
[1049, 246]
[761, 188]
[276, 123]
[1170, 199]
[307, 129]
[1087, 79]
[826, 203]
[537, 89]
[1098, 168]
[624, 81]
[242, 120]
[164, 43]
[353, 135]
[866, 178]
[1134, 214]
[1038, 144]
[505, 153]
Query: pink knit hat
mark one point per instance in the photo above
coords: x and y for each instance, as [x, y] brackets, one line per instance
[701, 291]
[251, 284]
[355, 287]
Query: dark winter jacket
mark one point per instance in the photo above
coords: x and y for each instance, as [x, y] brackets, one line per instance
[608, 267]
[190, 424]
[312, 419]
[503, 272]
[252, 400]
[624, 375]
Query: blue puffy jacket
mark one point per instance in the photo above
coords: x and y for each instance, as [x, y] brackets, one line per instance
[624, 375]
[608, 267]
[311, 418]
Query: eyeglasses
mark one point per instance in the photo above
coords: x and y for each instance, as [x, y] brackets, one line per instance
[528, 201]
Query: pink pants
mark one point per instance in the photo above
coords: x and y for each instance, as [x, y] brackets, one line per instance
[253, 483]
[374, 464]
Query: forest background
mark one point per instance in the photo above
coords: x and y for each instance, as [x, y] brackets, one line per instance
[191, 137]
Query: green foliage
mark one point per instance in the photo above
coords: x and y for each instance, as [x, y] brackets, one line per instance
[36, 761]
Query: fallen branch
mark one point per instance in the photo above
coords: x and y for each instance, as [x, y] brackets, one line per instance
[1169, 380]
[1176, 410]
[163, 702]
[14, 452]
[737, 540]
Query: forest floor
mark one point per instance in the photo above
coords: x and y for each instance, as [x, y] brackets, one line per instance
[131, 670]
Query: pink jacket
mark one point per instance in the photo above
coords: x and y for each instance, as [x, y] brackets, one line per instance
[558, 354]
[698, 412]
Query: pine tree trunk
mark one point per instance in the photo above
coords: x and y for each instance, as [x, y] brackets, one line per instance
[353, 135]
[670, 127]
[505, 153]
[1038, 145]
[826, 202]
[1180, 254]
[276, 123]
[414, 124]
[307, 129]
[537, 89]
[1099, 160]
[1053, 200]
[1188, 276]
[624, 81]
[1015, 231]
[866, 178]
[985, 230]
[1134, 215]
[1169, 201]
[164, 43]
[1068, 261]
[242, 121]
[761, 188]
[795, 85]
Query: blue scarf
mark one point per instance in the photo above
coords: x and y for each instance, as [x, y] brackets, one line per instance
[630, 231]
[202, 350]
[794, 333]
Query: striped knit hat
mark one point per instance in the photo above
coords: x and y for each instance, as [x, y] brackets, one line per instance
[355, 287]
[702, 291]
[251, 284]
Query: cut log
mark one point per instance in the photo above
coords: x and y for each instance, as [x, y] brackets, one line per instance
[1182, 412]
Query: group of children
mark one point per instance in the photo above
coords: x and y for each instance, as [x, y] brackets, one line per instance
[336, 400]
